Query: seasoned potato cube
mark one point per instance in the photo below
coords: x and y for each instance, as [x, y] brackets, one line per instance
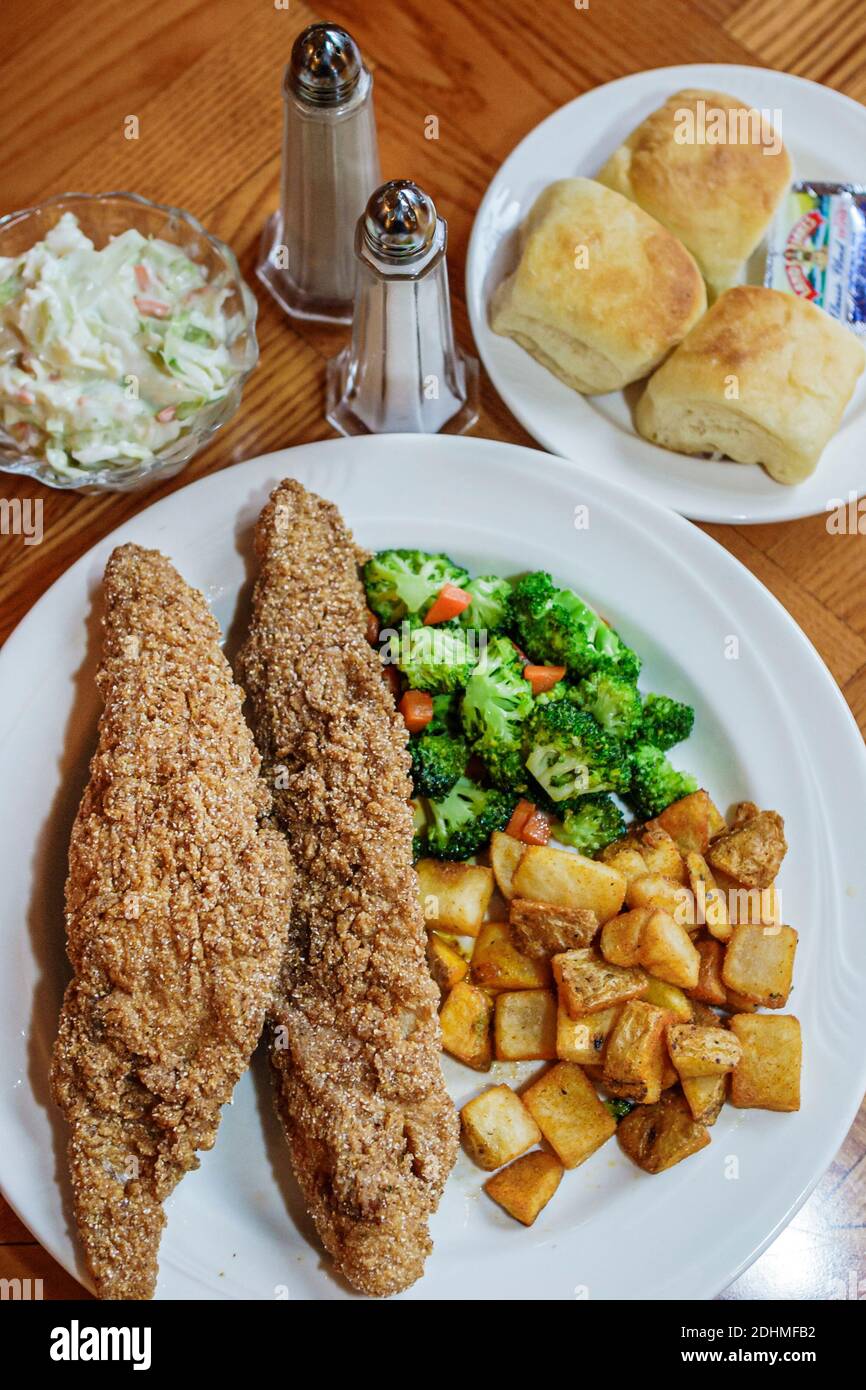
[582, 1039]
[658, 1136]
[588, 984]
[759, 964]
[447, 966]
[564, 1105]
[653, 890]
[661, 854]
[669, 997]
[454, 896]
[709, 988]
[756, 906]
[738, 1004]
[505, 852]
[465, 1021]
[711, 909]
[635, 1058]
[542, 930]
[687, 821]
[625, 856]
[666, 951]
[497, 1127]
[526, 1186]
[524, 1028]
[767, 1077]
[620, 937]
[706, 1096]
[700, 1051]
[753, 852]
[740, 813]
[497, 963]
[568, 880]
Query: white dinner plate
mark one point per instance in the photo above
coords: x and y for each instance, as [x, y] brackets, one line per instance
[825, 133]
[771, 726]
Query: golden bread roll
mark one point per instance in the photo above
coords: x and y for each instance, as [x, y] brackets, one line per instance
[764, 378]
[601, 292]
[718, 198]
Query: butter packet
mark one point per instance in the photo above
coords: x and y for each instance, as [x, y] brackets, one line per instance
[817, 249]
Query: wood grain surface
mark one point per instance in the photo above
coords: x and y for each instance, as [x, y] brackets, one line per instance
[203, 78]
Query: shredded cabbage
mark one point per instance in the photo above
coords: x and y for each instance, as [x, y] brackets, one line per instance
[105, 356]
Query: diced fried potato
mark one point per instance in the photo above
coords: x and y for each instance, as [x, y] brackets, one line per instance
[587, 984]
[759, 964]
[653, 890]
[711, 909]
[756, 906]
[568, 880]
[620, 937]
[700, 1051]
[526, 1186]
[742, 812]
[497, 1127]
[635, 1058]
[752, 854]
[447, 966]
[454, 896]
[687, 821]
[738, 1004]
[524, 1028]
[465, 1021]
[582, 1039]
[542, 929]
[710, 988]
[706, 1096]
[661, 854]
[624, 856]
[505, 852]
[670, 1076]
[767, 1076]
[657, 1136]
[666, 951]
[498, 964]
[669, 997]
[564, 1105]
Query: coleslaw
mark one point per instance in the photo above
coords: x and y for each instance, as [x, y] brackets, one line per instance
[106, 355]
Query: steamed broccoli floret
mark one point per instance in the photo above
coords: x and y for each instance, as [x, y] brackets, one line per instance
[570, 754]
[489, 607]
[437, 762]
[591, 823]
[612, 701]
[407, 581]
[655, 784]
[463, 821]
[446, 714]
[496, 702]
[555, 625]
[439, 658]
[420, 822]
[665, 721]
[505, 767]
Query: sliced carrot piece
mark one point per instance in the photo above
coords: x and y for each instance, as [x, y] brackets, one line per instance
[528, 824]
[416, 708]
[167, 413]
[450, 602]
[142, 276]
[542, 678]
[152, 308]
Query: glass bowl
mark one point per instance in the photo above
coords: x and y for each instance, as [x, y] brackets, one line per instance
[102, 216]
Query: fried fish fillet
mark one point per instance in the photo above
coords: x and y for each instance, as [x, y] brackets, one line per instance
[355, 1040]
[177, 906]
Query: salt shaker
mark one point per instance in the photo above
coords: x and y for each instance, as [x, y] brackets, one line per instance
[403, 370]
[330, 168]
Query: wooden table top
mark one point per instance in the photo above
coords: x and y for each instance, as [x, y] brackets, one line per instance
[203, 78]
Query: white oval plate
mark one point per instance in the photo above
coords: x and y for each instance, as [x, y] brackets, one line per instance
[825, 133]
[771, 726]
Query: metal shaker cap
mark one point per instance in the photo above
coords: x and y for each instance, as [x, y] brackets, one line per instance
[400, 221]
[325, 65]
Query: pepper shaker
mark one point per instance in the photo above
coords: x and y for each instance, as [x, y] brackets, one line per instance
[403, 370]
[330, 167]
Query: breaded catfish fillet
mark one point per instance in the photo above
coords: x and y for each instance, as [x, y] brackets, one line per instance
[177, 907]
[355, 1034]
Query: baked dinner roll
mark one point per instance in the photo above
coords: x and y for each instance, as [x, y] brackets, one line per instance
[601, 292]
[718, 198]
[764, 378]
